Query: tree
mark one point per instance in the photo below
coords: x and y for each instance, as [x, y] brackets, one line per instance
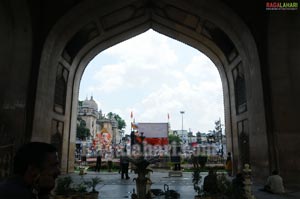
[120, 121]
[174, 138]
[218, 130]
[198, 135]
[82, 131]
[219, 135]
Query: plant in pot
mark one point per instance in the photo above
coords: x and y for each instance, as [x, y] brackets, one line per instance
[80, 190]
[63, 187]
[93, 183]
[224, 186]
[196, 179]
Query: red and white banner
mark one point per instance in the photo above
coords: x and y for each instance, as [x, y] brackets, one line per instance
[155, 133]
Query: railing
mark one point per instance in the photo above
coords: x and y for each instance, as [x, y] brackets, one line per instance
[215, 160]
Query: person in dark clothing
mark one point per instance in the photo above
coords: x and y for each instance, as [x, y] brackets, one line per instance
[36, 167]
[124, 162]
[177, 160]
[194, 159]
[210, 185]
[175, 157]
[238, 186]
[98, 162]
[238, 181]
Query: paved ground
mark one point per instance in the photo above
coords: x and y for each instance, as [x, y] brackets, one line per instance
[112, 186]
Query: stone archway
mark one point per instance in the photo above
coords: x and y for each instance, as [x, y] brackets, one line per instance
[210, 27]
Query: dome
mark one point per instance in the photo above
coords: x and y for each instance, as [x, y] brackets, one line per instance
[90, 104]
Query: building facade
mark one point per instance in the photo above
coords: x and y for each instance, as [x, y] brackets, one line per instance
[100, 126]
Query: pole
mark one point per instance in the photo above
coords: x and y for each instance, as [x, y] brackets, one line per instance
[182, 112]
[222, 149]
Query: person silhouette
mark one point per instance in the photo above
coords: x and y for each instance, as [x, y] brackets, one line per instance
[274, 183]
[36, 167]
[228, 164]
[124, 165]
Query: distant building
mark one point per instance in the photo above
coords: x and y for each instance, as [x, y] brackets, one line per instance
[88, 111]
[97, 123]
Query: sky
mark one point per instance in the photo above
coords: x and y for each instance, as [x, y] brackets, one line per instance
[152, 75]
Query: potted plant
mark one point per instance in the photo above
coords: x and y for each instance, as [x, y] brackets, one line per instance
[93, 183]
[80, 190]
[224, 186]
[196, 178]
[63, 187]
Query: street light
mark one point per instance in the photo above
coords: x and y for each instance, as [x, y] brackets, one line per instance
[182, 112]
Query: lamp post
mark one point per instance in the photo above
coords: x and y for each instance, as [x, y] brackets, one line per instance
[182, 112]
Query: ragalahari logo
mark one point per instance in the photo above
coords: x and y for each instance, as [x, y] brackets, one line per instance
[281, 5]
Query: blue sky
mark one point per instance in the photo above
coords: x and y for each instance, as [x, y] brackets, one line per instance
[153, 75]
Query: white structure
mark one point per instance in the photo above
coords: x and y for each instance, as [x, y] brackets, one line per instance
[88, 111]
[95, 121]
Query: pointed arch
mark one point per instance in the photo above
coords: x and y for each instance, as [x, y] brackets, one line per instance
[209, 26]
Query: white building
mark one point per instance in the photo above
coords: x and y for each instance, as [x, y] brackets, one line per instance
[88, 111]
[96, 122]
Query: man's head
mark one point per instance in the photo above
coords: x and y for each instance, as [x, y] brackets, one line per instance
[210, 172]
[38, 164]
[275, 172]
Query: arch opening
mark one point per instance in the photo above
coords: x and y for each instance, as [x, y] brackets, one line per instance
[154, 77]
[218, 33]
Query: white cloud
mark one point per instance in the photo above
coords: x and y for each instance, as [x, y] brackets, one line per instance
[110, 77]
[202, 67]
[145, 51]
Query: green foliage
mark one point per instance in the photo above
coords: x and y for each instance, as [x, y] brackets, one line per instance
[196, 178]
[82, 187]
[224, 185]
[121, 122]
[174, 138]
[94, 182]
[82, 132]
[63, 186]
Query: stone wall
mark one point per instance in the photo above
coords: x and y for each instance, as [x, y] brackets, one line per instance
[284, 75]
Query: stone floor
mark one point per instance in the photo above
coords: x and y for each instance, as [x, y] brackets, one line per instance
[112, 186]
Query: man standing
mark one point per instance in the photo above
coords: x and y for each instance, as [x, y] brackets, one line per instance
[124, 162]
[36, 167]
[108, 157]
[98, 161]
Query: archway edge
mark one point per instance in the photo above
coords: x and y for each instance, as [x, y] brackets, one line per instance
[220, 15]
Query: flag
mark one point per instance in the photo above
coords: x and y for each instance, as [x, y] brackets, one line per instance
[131, 115]
[168, 116]
[134, 126]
